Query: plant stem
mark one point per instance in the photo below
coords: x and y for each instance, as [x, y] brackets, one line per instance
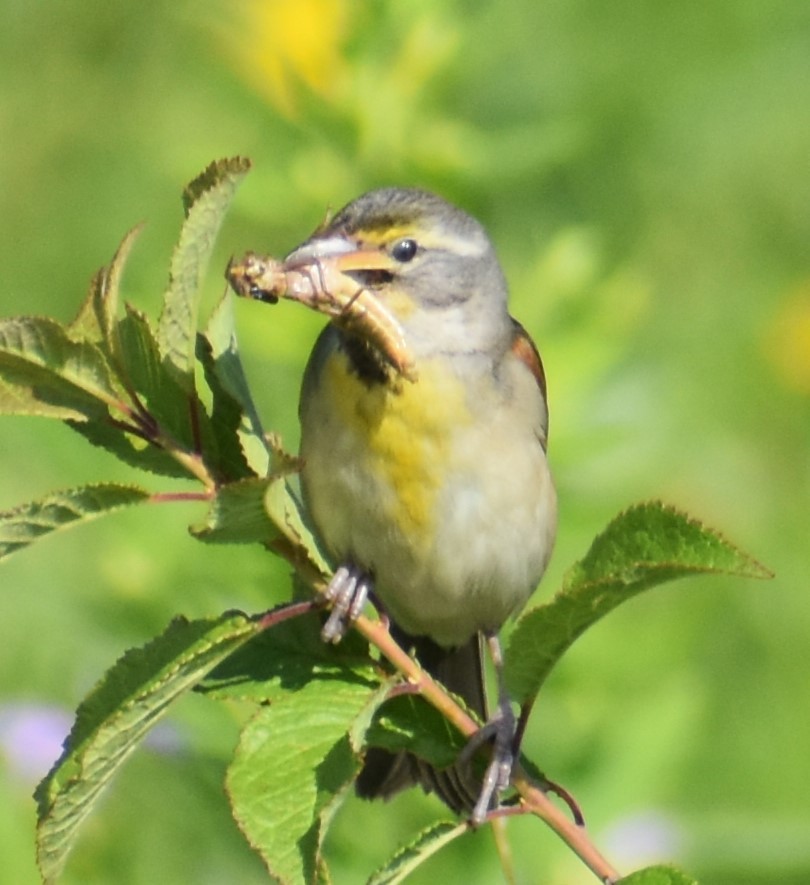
[173, 497]
[193, 463]
[534, 800]
[576, 837]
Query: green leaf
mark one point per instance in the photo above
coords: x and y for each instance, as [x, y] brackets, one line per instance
[645, 546]
[44, 372]
[131, 450]
[21, 399]
[206, 200]
[169, 406]
[115, 716]
[260, 510]
[286, 658]
[237, 514]
[409, 722]
[60, 510]
[287, 513]
[96, 320]
[658, 875]
[356, 741]
[293, 761]
[236, 422]
[140, 363]
[411, 856]
[283, 661]
[87, 324]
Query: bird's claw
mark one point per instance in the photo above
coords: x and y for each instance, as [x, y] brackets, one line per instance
[348, 591]
[501, 730]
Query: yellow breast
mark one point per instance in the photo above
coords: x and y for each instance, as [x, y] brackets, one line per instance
[403, 433]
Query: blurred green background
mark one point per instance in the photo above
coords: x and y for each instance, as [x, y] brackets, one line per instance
[644, 169]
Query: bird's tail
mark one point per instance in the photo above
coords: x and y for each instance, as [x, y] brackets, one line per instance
[460, 670]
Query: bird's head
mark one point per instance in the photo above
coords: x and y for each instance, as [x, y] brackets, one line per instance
[429, 263]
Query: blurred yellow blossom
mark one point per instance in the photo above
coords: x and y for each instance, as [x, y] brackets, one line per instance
[277, 45]
[287, 49]
[787, 340]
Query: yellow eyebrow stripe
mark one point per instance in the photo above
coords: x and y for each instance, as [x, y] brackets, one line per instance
[384, 235]
[429, 239]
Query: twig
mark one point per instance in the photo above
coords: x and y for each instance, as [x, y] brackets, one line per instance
[576, 837]
[504, 849]
[286, 611]
[533, 799]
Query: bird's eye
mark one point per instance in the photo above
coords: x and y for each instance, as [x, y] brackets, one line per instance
[404, 250]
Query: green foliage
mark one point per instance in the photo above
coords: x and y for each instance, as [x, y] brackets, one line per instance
[46, 373]
[236, 423]
[137, 393]
[411, 856]
[116, 715]
[292, 767]
[284, 660]
[409, 723]
[205, 201]
[25, 524]
[660, 875]
[641, 548]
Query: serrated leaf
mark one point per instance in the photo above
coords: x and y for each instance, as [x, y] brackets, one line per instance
[362, 724]
[287, 513]
[260, 510]
[115, 716]
[409, 722]
[355, 741]
[281, 461]
[286, 658]
[227, 421]
[50, 374]
[411, 856]
[140, 363]
[133, 451]
[237, 514]
[293, 759]
[652, 537]
[141, 357]
[645, 546]
[236, 422]
[658, 875]
[169, 406]
[205, 200]
[96, 319]
[27, 523]
[21, 399]
[87, 324]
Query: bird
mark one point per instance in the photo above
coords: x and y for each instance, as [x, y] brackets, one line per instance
[432, 494]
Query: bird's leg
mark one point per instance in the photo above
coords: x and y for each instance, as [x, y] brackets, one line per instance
[348, 591]
[500, 728]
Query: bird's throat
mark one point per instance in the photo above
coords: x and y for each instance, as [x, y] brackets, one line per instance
[366, 361]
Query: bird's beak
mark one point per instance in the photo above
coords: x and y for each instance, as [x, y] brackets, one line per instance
[340, 254]
[334, 276]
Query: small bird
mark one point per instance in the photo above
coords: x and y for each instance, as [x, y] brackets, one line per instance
[432, 493]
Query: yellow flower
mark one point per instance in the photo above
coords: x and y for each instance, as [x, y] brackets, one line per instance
[787, 340]
[278, 45]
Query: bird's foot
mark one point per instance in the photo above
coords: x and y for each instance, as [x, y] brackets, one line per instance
[347, 591]
[500, 729]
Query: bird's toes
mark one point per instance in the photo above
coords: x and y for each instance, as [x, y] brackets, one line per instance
[348, 591]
